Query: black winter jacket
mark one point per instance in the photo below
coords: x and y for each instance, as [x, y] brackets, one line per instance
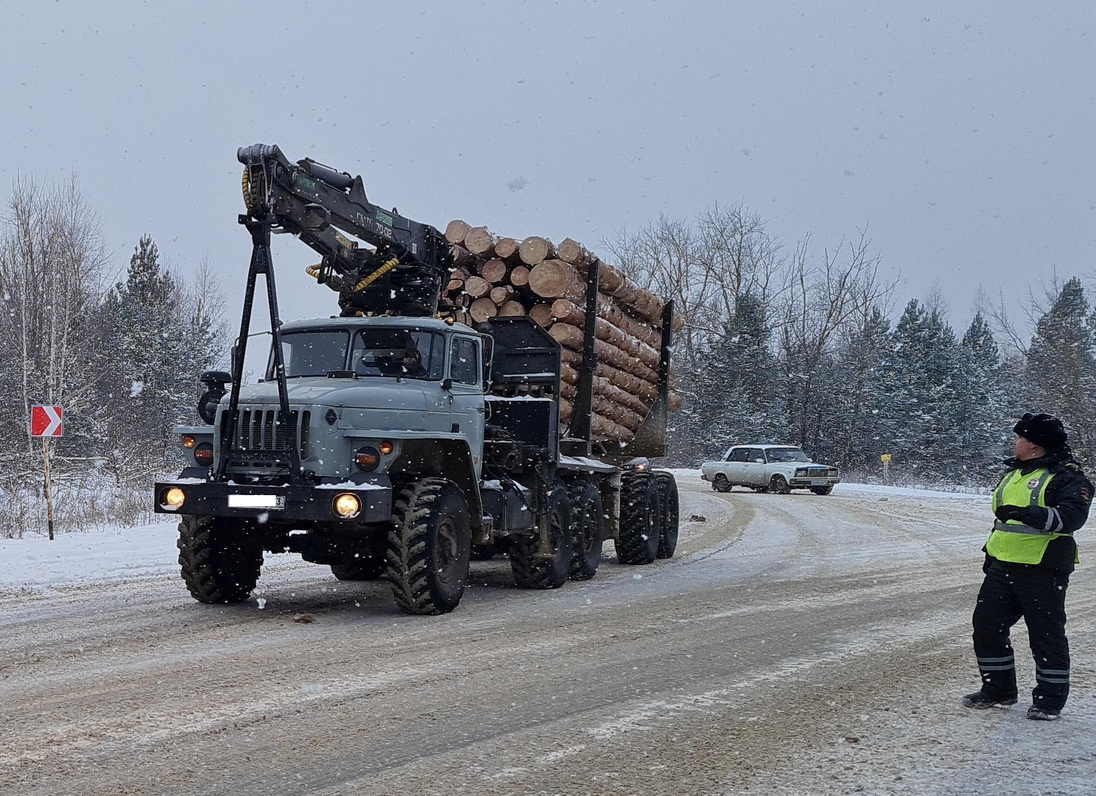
[1069, 493]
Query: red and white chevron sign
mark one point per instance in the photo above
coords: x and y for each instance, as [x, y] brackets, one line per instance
[47, 421]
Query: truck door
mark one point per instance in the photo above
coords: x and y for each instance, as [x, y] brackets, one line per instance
[466, 393]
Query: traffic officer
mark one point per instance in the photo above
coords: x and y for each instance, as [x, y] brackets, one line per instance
[1038, 504]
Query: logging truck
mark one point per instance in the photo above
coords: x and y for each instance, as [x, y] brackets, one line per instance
[420, 429]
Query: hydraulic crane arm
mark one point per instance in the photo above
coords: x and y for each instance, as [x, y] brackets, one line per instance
[404, 272]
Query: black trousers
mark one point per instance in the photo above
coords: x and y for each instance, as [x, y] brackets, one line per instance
[1039, 596]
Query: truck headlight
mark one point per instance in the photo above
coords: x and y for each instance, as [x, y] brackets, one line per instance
[203, 454]
[172, 499]
[347, 505]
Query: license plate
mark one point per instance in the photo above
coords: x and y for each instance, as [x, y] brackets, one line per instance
[819, 482]
[276, 502]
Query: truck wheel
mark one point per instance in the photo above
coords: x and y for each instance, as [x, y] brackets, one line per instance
[220, 558]
[721, 484]
[639, 519]
[669, 514]
[822, 490]
[534, 572]
[779, 485]
[587, 529]
[429, 547]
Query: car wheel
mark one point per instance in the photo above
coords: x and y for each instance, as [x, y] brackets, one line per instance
[721, 484]
[779, 485]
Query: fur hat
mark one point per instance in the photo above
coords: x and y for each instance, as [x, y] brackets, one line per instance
[1044, 430]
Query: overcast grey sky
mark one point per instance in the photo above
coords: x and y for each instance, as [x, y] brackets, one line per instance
[959, 133]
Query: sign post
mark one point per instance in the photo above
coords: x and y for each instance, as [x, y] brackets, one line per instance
[886, 459]
[47, 422]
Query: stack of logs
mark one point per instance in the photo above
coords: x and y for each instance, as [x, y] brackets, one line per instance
[497, 276]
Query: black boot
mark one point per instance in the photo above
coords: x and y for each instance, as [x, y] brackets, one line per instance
[982, 700]
[1043, 714]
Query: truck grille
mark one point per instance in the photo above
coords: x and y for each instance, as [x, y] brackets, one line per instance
[259, 430]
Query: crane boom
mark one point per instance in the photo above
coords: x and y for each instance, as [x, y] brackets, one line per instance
[404, 271]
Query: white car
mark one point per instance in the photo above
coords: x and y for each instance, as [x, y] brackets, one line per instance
[769, 468]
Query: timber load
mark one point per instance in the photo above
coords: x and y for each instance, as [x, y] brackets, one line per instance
[495, 276]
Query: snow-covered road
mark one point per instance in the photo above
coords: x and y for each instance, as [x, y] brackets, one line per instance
[796, 645]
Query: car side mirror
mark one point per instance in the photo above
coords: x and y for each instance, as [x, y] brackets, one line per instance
[447, 384]
[759, 461]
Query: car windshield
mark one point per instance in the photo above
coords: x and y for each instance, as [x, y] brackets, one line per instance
[391, 351]
[786, 455]
[315, 353]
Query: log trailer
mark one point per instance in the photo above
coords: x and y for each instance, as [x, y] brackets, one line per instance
[390, 442]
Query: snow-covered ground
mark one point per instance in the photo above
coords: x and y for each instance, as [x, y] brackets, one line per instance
[795, 644]
[103, 554]
[145, 551]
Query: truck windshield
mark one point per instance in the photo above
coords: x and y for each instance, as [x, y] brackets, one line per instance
[786, 455]
[406, 353]
[311, 353]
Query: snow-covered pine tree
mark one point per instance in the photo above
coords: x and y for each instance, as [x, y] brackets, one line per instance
[149, 358]
[922, 389]
[735, 390]
[981, 431]
[943, 400]
[1061, 367]
[859, 395]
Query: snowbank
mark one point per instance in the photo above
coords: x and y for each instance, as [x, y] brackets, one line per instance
[35, 562]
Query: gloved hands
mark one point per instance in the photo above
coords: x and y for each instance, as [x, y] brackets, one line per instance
[1021, 513]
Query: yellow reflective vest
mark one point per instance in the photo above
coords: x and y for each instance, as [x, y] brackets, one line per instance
[1013, 540]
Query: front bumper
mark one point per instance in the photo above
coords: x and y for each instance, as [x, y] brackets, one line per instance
[290, 503]
[807, 482]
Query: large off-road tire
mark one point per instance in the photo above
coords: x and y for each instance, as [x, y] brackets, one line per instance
[779, 485]
[587, 529]
[822, 490]
[720, 483]
[637, 542]
[429, 547]
[220, 558]
[669, 514]
[534, 572]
